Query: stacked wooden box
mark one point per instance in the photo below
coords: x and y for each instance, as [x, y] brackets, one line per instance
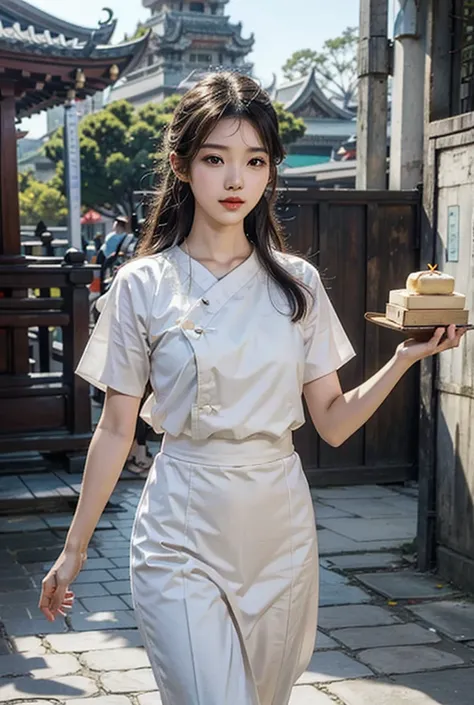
[428, 300]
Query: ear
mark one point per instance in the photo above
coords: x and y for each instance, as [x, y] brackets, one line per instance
[177, 167]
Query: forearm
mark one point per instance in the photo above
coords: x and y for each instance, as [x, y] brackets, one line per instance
[350, 411]
[105, 459]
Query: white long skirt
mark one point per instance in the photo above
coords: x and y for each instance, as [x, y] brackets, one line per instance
[224, 573]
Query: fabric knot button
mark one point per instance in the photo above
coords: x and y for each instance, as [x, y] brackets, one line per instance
[205, 302]
[198, 331]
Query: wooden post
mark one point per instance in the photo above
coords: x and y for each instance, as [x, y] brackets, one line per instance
[372, 112]
[9, 206]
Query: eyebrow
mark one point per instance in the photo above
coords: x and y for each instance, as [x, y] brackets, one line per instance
[210, 145]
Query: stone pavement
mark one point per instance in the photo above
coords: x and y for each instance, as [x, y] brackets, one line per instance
[387, 634]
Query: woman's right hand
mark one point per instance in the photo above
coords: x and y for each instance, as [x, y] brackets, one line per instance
[55, 594]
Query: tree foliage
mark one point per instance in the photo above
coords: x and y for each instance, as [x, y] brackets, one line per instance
[40, 201]
[291, 127]
[335, 66]
[120, 149]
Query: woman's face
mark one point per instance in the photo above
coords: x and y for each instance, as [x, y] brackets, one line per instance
[229, 174]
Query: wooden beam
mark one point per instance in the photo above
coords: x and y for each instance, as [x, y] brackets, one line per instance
[9, 205]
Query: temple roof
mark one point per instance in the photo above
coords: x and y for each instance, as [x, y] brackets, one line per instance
[22, 13]
[305, 98]
[41, 69]
[180, 25]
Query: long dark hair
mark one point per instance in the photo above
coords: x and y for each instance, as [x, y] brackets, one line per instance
[221, 95]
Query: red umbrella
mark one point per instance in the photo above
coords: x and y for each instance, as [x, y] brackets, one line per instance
[91, 218]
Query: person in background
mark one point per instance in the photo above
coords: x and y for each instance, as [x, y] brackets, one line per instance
[116, 235]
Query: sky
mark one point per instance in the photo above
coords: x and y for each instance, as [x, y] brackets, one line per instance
[280, 28]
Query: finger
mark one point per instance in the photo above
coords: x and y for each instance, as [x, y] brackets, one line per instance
[451, 332]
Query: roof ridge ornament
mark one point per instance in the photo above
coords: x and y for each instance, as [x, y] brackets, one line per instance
[109, 19]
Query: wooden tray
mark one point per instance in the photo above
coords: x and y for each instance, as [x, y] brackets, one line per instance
[421, 333]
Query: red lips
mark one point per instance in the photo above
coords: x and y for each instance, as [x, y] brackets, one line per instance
[232, 200]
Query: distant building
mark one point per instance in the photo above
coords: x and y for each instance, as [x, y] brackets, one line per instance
[188, 38]
[327, 124]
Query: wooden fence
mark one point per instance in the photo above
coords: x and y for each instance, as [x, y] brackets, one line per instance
[364, 243]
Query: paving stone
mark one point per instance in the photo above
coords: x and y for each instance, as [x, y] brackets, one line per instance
[405, 584]
[7, 584]
[108, 603]
[107, 700]
[120, 573]
[355, 492]
[4, 647]
[324, 511]
[85, 621]
[342, 595]
[94, 640]
[116, 659]
[93, 576]
[363, 692]
[29, 644]
[128, 600]
[455, 619]
[43, 554]
[450, 687]
[328, 666]
[330, 542]
[118, 587]
[20, 597]
[129, 681]
[307, 695]
[121, 562]
[46, 666]
[20, 612]
[62, 687]
[379, 509]
[21, 523]
[324, 642]
[12, 571]
[112, 552]
[151, 698]
[91, 589]
[368, 530]
[393, 635]
[408, 659]
[355, 616]
[31, 627]
[359, 561]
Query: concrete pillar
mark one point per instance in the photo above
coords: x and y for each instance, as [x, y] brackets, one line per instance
[407, 124]
[372, 92]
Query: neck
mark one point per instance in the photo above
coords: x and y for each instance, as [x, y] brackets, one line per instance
[212, 241]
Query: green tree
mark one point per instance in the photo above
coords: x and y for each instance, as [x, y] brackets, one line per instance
[40, 201]
[140, 30]
[291, 127]
[335, 65]
[119, 152]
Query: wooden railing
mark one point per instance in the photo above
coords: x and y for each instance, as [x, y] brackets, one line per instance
[42, 409]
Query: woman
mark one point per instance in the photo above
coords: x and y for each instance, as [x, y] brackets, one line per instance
[231, 331]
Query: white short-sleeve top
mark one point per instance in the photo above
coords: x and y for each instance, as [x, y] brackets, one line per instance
[222, 355]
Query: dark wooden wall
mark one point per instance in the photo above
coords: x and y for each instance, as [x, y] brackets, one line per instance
[364, 243]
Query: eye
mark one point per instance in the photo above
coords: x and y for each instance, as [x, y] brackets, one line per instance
[212, 159]
[257, 161]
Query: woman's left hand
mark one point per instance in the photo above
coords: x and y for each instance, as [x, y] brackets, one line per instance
[412, 351]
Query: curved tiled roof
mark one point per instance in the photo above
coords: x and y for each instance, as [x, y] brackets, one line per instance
[27, 56]
[22, 13]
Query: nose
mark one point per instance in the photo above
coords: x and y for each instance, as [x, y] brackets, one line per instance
[234, 180]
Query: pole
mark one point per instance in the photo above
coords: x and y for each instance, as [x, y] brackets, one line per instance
[373, 79]
[72, 164]
[407, 134]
